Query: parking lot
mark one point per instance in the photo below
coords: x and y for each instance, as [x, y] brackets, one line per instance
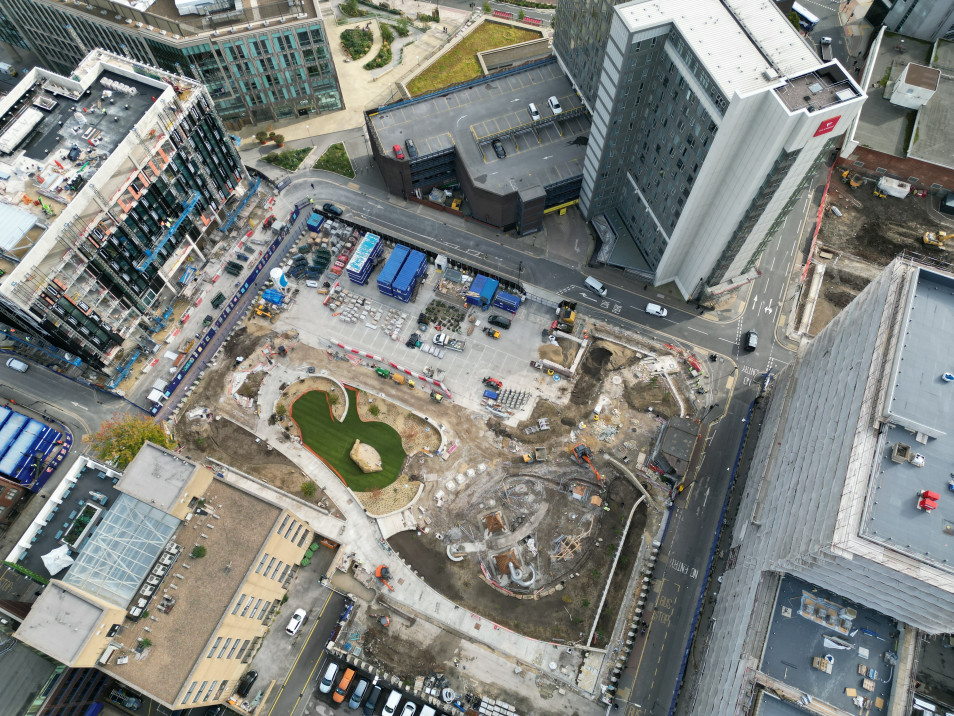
[506, 358]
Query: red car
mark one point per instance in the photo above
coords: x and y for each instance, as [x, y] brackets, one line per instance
[398, 152]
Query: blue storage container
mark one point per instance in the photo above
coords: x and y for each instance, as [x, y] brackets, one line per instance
[490, 394]
[482, 291]
[414, 267]
[392, 267]
[507, 301]
[363, 259]
[315, 221]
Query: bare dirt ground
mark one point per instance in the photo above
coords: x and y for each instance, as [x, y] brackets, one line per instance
[869, 234]
[564, 615]
[228, 441]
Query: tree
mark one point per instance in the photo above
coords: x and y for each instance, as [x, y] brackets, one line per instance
[281, 410]
[279, 140]
[487, 7]
[374, 410]
[520, 15]
[262, 137]
[308, 488]
[145, 643]
[198, 552]
[121, 437]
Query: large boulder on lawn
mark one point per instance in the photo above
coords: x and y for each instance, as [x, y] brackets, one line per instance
[366, 457]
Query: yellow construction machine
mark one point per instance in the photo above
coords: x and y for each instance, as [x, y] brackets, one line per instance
[937, 238]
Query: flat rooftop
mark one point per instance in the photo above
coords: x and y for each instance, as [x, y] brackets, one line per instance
[794, 640]
[538, 154]
[42, 127]
[818, 90]
[769, 705]
[732, 48]
[180, 635]
[90, 480]
[61, 623]
[919, 401]
[192, 24]
[934, 139]
[883, 126]
[157, 476]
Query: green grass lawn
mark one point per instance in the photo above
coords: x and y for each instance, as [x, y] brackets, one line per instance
[460, 64]
[290, 159]
[332, 441]
[336, 160]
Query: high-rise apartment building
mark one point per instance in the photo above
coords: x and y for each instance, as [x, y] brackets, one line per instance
[262, 61]
[141, 603]
[112, 179]
[709, 120]
[849, 482]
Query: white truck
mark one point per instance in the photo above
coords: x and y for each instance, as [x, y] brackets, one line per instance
[8, 69]
[826, 49]
[453, 344]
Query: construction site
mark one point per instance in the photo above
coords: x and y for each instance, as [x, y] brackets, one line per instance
[866, 223]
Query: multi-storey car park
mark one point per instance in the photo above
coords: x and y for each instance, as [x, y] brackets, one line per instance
[113, 179]
[261, 61]
[709, 119]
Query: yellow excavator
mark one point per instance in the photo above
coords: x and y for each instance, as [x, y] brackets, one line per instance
[852, 180]
[937, 238]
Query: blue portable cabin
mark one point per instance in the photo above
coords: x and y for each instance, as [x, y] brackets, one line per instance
[482, 291]
[315, 221]
[414, 267]
[392, 267]
[506, 301]
[363, 259]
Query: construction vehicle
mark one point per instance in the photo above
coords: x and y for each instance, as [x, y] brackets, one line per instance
[259, 311]
[879, 194]
[582, 454]
[384, 574]
[491, 332]
[383, 372]
[538, 455]
[437, 397]
[493, 382]
[937, 238]
[207, 321]
[566, 312]
[852, 180]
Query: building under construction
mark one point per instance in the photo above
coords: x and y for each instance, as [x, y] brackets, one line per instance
[111, 182]
[847, 511]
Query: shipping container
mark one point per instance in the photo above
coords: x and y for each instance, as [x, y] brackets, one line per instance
[506, 301]
[392, 267]
[414, 267]
[363, 259]
[482, 290]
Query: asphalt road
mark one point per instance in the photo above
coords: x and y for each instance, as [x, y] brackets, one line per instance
[80, 408]
[297, 692]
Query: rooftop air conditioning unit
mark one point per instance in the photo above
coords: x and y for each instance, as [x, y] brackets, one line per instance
[770, 74]
[176, 37]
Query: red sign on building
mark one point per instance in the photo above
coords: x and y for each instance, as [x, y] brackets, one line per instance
[826, 126]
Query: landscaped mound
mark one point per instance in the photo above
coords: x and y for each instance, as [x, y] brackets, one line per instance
[332, 441]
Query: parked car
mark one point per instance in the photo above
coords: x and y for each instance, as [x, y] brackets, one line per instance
[372, 701]
[554, 105]
[245, 683]
[532, 110]
[411, 148]
[18, 365]
[330, 208]
[409, 709]
[343, 686]
[398, 152]
[298, 618]
[360, 691]
[499, 149]
[328, 680]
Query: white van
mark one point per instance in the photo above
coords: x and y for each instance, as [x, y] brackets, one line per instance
[390, 706]
[311, 284]
[656, 310]
[595, 286]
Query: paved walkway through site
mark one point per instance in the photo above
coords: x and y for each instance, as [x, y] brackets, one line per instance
[371, 549]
